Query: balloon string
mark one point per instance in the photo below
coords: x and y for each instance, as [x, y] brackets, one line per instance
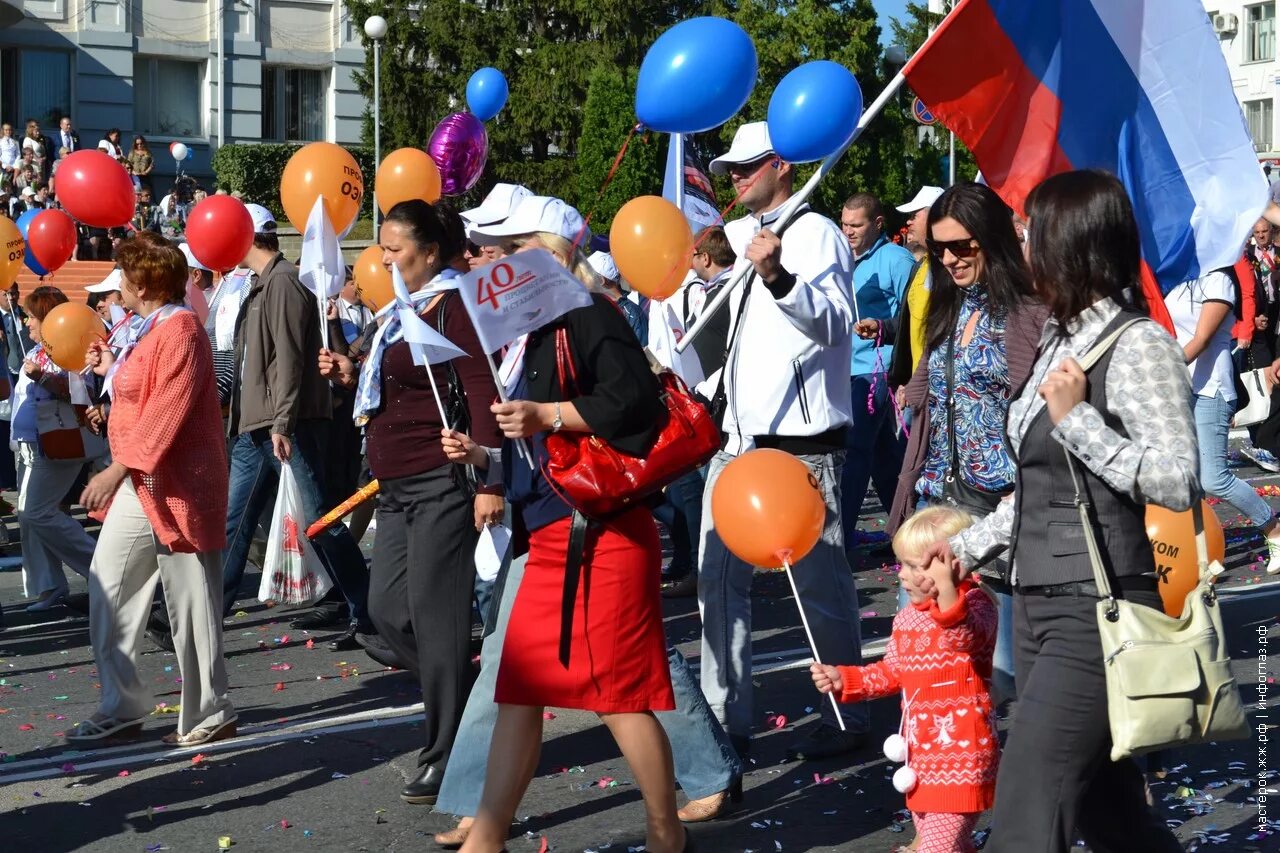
[608, 179]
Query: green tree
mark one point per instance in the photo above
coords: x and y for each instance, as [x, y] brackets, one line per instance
[608, 116]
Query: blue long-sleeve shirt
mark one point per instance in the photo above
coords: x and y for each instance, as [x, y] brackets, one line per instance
[880, 279]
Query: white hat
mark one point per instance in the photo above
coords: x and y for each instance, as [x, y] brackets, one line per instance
[263, 221]
[923, 200]
[497, 205]
[750, 143]
[28, 192]
[602, 263]
[192, 262]
[532, 214]
[108, 284]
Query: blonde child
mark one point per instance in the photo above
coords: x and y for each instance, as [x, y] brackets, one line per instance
[939, 658]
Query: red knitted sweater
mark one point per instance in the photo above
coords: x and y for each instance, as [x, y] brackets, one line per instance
[941, 663]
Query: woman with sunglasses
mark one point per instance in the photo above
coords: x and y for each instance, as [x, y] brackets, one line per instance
[141, 161]
[981, 335]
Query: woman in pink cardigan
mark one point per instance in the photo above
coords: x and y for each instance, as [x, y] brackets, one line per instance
[164, 505]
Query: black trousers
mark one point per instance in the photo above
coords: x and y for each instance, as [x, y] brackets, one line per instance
[420, 595]
[1056, 774]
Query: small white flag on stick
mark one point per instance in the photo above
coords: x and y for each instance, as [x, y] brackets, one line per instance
[321, 267]
[518, 294]
[426, 344]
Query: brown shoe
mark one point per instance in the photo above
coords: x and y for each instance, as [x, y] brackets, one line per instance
[456, 837]
[196, 737]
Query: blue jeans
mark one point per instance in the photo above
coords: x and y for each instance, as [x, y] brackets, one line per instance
[255, 476]
[482, 591]
[681, 512]
[826, 588]
[875, 452]
[1213, 423]
[1003, 686]
[705, 763]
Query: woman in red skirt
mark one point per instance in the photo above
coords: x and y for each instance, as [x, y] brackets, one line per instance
[599, 648]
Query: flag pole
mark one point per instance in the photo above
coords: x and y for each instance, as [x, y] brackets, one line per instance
[522, 445]
[677, 147]
[793, 204]
[813, 647]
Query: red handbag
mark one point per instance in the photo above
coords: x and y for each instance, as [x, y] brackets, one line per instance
[600, 480]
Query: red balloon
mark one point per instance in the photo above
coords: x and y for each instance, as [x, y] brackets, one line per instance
[95, 189]
[219, 232]
[52, 238]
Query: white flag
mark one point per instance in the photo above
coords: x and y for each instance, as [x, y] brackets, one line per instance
[427, 345]
[518, 294]
[665, 331]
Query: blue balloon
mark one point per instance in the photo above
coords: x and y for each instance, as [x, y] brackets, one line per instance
[814, 111]
[696, 76]
[487, 93]
[24, 224]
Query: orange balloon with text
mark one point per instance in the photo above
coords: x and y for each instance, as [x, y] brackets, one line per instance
[1173, 541]
[322, 170]
[768, 508]
[67, 331]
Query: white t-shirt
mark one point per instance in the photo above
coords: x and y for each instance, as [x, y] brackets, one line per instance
[1212, 372]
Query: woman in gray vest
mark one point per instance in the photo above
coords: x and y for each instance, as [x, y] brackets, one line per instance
[1128, 430]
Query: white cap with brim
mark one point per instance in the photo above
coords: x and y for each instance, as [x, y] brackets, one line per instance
[750, 143]
[497, 205]
[534, 214]
[108, 284]
[192, 263]
[263, 221]
[28, 192]
[923, 200]
[603, 264]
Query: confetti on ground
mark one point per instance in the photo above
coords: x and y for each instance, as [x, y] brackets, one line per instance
[547, 715]
[26, 727]
[197, 758]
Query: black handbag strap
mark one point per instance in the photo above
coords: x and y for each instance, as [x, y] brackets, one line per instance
[579, 526]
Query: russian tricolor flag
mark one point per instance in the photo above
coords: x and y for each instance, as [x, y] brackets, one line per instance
[1137, 87]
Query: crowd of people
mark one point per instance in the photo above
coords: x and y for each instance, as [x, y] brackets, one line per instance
[943, 371]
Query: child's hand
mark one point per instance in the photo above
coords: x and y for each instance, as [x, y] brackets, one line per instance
[826, 678]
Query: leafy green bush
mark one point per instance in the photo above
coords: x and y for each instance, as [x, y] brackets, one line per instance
[254, 171]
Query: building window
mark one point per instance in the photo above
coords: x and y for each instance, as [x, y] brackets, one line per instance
[1260, 29]
[166, 97]
[1259, 116]
[35, 84]
[293, 104]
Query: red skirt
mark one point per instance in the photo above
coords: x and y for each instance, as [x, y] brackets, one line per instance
[618, 655]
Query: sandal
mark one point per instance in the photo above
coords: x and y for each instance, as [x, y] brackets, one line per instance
[94, 732]
[207, 734]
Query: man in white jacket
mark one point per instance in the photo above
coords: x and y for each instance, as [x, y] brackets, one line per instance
[784, 385]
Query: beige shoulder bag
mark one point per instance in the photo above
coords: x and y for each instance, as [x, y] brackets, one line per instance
[1168, 678]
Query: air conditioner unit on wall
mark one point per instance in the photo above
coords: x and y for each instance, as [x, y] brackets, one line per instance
[1226, 25]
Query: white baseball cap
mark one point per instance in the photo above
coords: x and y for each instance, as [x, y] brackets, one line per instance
[923, 200]
[497, 205]
[603, 264]
[108, 284]
[750, 143]
[532, 214]
[192, 262]
[263, 221]
[28, 192]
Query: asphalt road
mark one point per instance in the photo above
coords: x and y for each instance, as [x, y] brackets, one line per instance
[327, 740]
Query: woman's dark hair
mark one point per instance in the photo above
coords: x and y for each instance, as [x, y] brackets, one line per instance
[138, 139]
[115, 131]
[426, 224]
[1005, 275]
[42, 300]
[1084, 243]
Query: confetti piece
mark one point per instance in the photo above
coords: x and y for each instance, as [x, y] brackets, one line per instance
[225, 842]
[26, 727]
[197, 758]
[544, 847]
[282, 667]
[311, 644]
[547, 715]
[339, 776]
[123, 773]
[284, 824]
[279, 686]
[68, 768]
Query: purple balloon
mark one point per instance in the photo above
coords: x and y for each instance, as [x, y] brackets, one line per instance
[459, 146]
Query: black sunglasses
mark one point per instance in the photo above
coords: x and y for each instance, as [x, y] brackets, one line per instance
[962, 249]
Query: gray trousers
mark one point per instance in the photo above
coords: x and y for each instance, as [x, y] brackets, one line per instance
[705, 763]
[122, 582]
[1056, 774]
[827, 591]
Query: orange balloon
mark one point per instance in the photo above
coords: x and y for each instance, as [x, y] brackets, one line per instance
[652, 245]
[768, 508]
[373, 280]
[1173, 539]
[67, 331]
[322, 169]
[406, 174]
[13, 251]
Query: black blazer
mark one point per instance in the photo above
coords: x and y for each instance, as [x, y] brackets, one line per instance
[618, 393]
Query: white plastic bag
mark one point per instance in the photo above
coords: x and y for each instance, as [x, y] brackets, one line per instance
[491, 550]
[292, 573]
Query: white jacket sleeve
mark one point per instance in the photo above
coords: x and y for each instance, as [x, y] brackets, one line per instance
[819, 305]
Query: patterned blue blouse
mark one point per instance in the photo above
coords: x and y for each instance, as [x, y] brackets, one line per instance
[982, 395]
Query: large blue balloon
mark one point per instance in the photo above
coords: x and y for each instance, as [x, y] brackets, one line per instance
[486, 93]
[814, 111]
[696, 76]
[24, 224]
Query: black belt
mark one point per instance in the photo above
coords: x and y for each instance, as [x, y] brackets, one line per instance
[1089, 589]
[799, 445]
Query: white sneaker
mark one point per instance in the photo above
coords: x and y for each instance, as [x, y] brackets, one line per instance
[1264, 459]
[1273, 557]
